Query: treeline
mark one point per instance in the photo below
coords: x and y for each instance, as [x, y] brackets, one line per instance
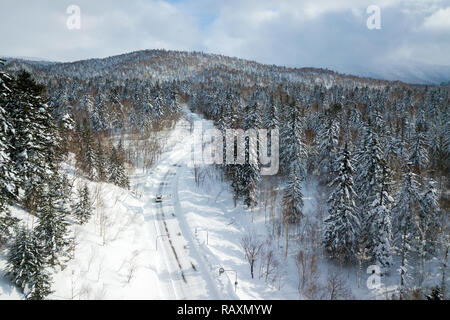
[98, 162]
[380, 155]
[379, 149]
[37, 135]
[33, 145]
[31, 154]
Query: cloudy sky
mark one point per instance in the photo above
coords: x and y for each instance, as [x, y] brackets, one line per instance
[317, 33]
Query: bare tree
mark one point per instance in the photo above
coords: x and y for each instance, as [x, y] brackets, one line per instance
[336, 288]
[252, 247]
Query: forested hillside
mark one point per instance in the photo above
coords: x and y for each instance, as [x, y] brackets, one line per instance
[378, 151]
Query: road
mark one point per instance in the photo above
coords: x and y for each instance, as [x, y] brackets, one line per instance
[182, 270]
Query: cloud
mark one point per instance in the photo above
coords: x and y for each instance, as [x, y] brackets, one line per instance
[318, 33]
[438, 21]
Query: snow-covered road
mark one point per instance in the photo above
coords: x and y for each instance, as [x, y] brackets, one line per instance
[187, 267]
[181, 269]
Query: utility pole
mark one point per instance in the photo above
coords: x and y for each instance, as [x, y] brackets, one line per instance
[222, 270]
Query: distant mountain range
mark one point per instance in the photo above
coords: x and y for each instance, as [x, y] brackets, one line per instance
[411, 73]
[414, 73]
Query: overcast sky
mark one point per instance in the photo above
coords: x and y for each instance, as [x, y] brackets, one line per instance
[317, 33]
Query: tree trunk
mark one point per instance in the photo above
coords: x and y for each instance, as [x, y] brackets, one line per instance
[402, 272]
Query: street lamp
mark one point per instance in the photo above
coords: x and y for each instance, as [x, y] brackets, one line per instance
[222, 271]
[160, 236]
[204, 230]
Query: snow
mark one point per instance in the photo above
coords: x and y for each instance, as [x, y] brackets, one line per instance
[116, 255]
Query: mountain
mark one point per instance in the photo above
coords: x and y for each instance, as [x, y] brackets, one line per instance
[414, 73]
[178, 65]
[163, 65]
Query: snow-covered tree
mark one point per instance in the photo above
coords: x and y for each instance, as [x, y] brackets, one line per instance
[90, 157]
[342, 226]
[26, 265]
[250, 173]
[328, 143]
[116, 171]
[82, 209]
[380, 220]
[405, 226]
[34, 139]
[52, 229]
[292, 148]
[7, 177]
[419, 145]
[430, 218]
[101, 162]
[293, 198]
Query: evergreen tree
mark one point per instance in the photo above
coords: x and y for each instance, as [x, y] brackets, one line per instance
[435, 294]
[26, 266]
[405, 213]
[52, 229]
[342, 226]
[250, 174]
[90, 159]
[380, 221]
[419, 149]
[293, 198]
[100, 162]
[117, 174]
[34, 140]
[65, 131]
[82, 210]
[7, 178]
[99, 114]
[430, 219]
[293, 151]
[372, 187]
[328, 143]
[428, 226]
[6, 129]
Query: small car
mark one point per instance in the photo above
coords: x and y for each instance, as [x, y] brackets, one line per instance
[158, 198]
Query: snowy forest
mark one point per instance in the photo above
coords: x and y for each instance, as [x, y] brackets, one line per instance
[375, 153]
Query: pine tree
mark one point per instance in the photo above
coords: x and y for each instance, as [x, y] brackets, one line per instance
[293, 151]
[99, 114]
[380, 220]
[82, 210]
[100, 162]
[90, 158]
[66, 125]
[435, 294]
[52, 229]
[26, 266]
[272, 119]
[7, 178]
[372, 187]
[6, 129]
[428, 226]
[117, 174]
[250, 173]
[430, 219]
[293, 198]
[342, 226]
[419, 149]
[35, 138]
[328, 143]
[405, 213]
